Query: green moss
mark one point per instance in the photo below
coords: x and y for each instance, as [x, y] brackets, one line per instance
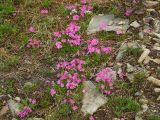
[47, 3]
[123, 104]
[153, 117]
[7, 65]
[6, 8]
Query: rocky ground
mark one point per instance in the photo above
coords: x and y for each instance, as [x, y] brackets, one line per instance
[111, 54]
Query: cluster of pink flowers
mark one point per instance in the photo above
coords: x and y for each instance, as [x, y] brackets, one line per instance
[70, 78]
[128, 12]
[72, 28]
[92, 47]
[44, 11]
[32, 29]
[33, 43]
[71, 33]
[26, 110]
[32, 101]
[105, 78]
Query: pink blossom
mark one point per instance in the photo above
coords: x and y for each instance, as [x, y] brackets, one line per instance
[57, 34]
[44, 11]
[128, 12]
[14, 14]
[107, 92]
[134, 1]
[121, 75]
[71, 7]
[76, 17]
[32, 101]
[71, 101]
[74, 107]
[52, 92]
[107, 49]
[118, 31]
[26, 110]
[32, 29]
[102, 86]
[91, 117]
[84, 1]
[33, 43]
[147, 30]
[58, 45]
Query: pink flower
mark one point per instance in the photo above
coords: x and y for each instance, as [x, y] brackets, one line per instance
[26, 110]
[76, 17]
[107, 49]
[32, 29]
[147, 30]
[52, 92]
[121, 75]
[91, 117]
[71, 101]
[44, 11]
[32, 101]
[118, 31]
[134, 1]
[14, 14]
[33, 43]
[102, 86]
[74, 107]
[71, 7]
[58, 45]
[128, 12]
[84, 1]
[57, 34]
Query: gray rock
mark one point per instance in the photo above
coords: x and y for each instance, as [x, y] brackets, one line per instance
[14, 107]
[124, 48]
[157, 90]
[122, 52]
[158, 98]
[18, 99]
[14, 119]
[149, 3]
[130, 68]
[135, 24]
[130, 77]
[92, 99]
[112, 23]
[138, 93]
[28, 84]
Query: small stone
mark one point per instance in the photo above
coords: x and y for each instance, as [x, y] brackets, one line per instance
[154, 80]
[149, 3]
[14, 107]
[144, 55]
[18, 99]
[145, 107]
[138, 93]
[130, 77]
[158, 98]
[130, 68]
[4, 110]
[28, 84]
[144, 101]
[14, 119]
[157, 90]
[135, 24]
[92, 99]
